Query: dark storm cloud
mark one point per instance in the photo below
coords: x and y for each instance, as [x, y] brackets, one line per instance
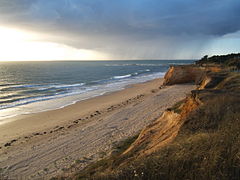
[102, 23]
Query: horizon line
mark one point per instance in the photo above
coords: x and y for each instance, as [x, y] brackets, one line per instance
[100, 60]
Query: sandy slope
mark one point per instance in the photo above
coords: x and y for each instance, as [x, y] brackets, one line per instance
[44, 144]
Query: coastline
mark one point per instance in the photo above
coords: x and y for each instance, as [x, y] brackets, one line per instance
[29, 123]
[30, 143]
[62, 100]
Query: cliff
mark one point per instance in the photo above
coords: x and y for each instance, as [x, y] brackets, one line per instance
[165, 129]
[187, 74]
[197, 138]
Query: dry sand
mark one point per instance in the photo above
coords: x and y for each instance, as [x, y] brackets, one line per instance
[42, 145]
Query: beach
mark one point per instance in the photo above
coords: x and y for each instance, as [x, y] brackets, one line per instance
[119, 90]
[44, 144]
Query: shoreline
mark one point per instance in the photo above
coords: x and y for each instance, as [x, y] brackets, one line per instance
[53, 140]
[67, 99]
[18, 120]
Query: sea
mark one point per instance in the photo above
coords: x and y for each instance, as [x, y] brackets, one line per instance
[31, 87]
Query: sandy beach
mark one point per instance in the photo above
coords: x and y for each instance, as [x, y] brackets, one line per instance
[42, 145]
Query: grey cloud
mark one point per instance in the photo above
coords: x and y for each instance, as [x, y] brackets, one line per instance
[142, 16]
[110, 25]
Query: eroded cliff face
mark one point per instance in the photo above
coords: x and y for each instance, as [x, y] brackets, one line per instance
[182, 74]
[156, 135]
[164, 129]
[211, 80]
[187, 74]
[197, 136]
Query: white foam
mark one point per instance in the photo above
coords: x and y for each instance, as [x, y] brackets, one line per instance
[122, 77]
[41, 104]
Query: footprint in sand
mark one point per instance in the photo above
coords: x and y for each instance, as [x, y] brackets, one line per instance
[7, 144]
[98, 112]
[70, 126]
[60, 128]
[10, 143]
[37, 134]
[76, 121]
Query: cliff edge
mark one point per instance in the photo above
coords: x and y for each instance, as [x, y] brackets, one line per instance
[187, 74]
[197, 138]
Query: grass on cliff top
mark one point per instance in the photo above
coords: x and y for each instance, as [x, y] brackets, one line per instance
[230, 60]
[207, 147]
[231, 83]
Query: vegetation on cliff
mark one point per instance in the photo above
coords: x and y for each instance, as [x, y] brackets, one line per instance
[230, 60]
[206, 146]
[197, 138]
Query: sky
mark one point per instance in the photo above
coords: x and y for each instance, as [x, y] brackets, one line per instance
[117, 29]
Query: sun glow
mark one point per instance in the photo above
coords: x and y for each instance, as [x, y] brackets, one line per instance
[17, 45]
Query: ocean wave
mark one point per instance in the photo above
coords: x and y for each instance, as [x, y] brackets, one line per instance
[145, 70]
[23, 101]
[72, 89]
[9, 95]
[112, 65]
[60, 100]
[135, 64]
[157, 75]
[41, 87]
[26, 86]
[139, 72]
[122, 77]
[149, 64]
[68, 85]
[33, 99]
[6, 84]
